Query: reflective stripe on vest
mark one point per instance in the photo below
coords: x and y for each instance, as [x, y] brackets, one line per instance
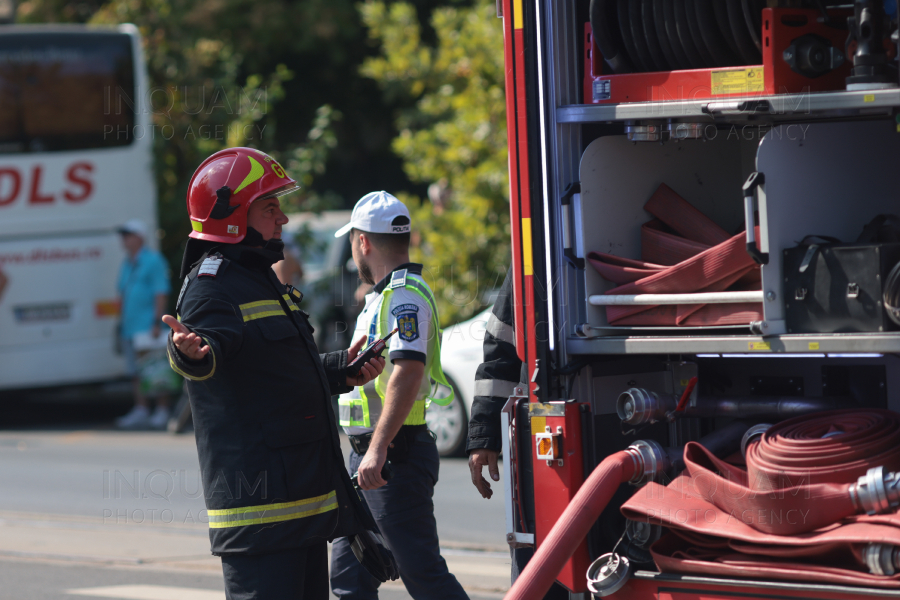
[357, 411]
[437, 373]
[272, 513]
[363, 406]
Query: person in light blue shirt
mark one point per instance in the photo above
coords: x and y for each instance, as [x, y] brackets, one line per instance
[143, 292]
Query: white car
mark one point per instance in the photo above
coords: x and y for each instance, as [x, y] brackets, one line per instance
[461, 353]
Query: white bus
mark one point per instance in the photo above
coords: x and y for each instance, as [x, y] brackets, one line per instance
[75, 163]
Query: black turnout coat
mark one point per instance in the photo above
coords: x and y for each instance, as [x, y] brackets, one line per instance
[271, 465]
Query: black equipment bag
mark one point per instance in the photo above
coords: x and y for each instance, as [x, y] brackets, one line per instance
[836, 287]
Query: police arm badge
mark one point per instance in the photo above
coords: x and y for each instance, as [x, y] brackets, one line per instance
[408, 326]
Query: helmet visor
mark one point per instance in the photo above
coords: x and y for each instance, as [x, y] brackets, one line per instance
[282, 191]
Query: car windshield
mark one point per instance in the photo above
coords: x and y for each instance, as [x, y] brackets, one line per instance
[312, 237]
[313, 245]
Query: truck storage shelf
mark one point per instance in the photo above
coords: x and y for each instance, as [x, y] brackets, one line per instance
[773, 108]
[746, 584]
[835, 343]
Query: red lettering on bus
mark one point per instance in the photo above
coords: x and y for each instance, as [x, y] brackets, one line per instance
[36, 196]
[79, 180]
[15, 178]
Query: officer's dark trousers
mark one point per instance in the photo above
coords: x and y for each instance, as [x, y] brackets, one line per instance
[288, 575]
[404, 512]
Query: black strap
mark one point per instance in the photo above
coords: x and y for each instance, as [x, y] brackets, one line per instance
[818, 239]
[883, 229]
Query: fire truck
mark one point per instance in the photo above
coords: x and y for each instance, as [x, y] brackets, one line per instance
[706, 264]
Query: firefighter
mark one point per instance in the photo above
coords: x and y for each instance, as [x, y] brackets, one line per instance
[385, 419]
[270, 458]
[496, 378]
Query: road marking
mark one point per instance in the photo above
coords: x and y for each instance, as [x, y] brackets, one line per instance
[148, 592]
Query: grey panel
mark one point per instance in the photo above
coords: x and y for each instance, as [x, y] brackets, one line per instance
[831, 180]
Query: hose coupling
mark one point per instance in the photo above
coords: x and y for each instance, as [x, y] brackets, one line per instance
[876, 492]
[882, 559]
[636, 406]
[650, 460]
[642, 533]
[608, 574]
[753, 434]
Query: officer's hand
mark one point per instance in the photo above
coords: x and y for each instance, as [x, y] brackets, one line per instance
[477, 460]
[369, 371]
[187, 342]
[370, 469]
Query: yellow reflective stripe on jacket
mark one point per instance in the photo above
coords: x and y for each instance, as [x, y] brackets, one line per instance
[272, 513]
[290, 303]
[260, 309]
[193, 377]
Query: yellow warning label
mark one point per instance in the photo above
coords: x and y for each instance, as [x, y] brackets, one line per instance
[738, 81]
[814, 345]
[869, 98]
[758, 346]
[538, 424]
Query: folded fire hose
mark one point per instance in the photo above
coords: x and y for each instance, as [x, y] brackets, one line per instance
[683, 218]
[702, 258]
[641, 461]
[713, 270]
[816, 503]
[661, 247]
[850, 526]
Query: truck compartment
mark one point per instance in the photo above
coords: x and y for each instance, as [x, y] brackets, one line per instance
[619, 176]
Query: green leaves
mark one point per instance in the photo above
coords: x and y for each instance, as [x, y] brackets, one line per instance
[454, 139]
[221, 71]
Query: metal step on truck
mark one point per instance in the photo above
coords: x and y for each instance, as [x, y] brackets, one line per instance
[706, 260]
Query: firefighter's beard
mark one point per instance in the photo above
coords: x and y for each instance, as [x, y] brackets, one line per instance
[365, 272]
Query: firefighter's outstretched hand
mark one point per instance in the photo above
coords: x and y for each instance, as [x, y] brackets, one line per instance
[370, 469]
[369, 371]
[188, 343]
[477, 460]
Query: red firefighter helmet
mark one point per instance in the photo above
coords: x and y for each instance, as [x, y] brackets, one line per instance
[223, 188]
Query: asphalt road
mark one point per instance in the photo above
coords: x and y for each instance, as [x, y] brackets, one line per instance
[86, 511]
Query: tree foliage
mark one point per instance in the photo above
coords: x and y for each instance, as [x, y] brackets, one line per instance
[351, 97]
[452, 138]
[271, 75]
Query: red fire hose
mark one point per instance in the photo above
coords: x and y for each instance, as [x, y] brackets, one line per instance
[816, 463]
[572, 526]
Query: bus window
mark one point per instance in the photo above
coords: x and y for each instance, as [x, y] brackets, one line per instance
[65, 91]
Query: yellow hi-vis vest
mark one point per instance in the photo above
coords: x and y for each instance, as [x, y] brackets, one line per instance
[362, 407]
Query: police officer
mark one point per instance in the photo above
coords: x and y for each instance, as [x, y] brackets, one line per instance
[385, 419]
[270, 458]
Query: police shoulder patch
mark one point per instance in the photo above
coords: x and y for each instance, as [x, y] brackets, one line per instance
[404, 308]
[408, 326]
